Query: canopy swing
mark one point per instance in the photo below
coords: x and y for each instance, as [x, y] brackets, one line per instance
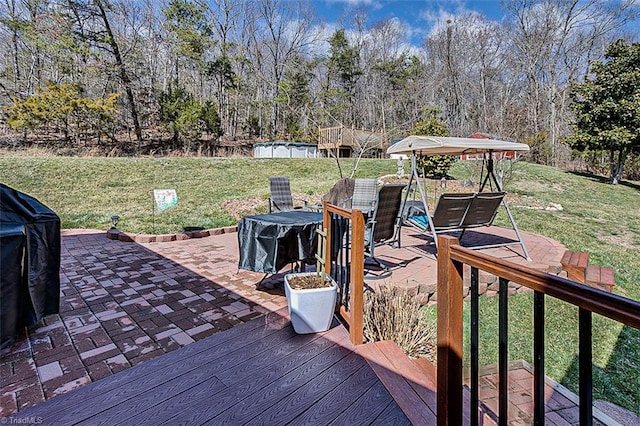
[461, 204]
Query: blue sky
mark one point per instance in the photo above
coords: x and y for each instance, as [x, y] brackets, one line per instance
[410, 10]
[420, 15]
[417, 13]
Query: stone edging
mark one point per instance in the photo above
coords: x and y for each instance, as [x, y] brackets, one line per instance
[115, 234]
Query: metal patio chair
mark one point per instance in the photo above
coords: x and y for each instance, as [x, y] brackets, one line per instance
[380, 227]
[364, 195]
[281, 199]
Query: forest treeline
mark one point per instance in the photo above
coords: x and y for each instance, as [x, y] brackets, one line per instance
[188, 74]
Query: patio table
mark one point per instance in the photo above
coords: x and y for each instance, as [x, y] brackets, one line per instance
[268, 242]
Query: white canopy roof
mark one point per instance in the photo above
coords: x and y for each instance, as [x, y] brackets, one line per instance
[438, 145]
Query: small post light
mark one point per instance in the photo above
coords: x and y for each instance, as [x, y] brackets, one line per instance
[114, 220]
[443, 182]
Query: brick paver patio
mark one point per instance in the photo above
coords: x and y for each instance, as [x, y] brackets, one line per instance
[123, 303]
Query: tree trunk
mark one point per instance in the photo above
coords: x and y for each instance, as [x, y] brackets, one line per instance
[617, 165]
[14, 42]
[124, 77]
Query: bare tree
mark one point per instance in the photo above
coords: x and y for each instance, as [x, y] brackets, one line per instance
[221, 70]
[554, 42]
[280, 34]
[122, 71]
[12, 22]
[265, 67]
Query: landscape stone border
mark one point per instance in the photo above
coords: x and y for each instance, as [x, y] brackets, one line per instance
[116, 234]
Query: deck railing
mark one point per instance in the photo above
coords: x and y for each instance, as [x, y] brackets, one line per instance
[451, 259]
[345, 229]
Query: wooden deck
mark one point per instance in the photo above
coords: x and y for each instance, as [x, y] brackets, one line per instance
[259, 372]
[262, 372]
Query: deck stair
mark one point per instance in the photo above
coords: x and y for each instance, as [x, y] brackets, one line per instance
[412, 384]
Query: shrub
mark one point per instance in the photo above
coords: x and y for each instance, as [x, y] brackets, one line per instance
[186, 117]
[252, 127]
[61, 108]
[392, 313]
[433, 125]
[540, 149]
[632, 168]
[435, 166]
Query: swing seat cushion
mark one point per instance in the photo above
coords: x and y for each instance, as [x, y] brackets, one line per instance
[463, 211]
[421, 221]
[413, 208]
[415, 214]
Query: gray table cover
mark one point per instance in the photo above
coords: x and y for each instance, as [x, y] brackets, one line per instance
[268, 242]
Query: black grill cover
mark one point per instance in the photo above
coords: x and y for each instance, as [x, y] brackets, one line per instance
[29, 262]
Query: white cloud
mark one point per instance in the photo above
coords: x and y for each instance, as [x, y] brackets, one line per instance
[322, 34]
[436, 15]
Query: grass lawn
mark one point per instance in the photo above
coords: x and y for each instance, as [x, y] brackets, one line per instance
[598, 218]
[86, 192]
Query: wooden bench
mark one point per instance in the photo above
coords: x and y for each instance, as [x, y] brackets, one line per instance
[576, 264]
[601, 277]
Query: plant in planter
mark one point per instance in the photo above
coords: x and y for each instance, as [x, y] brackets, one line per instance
[311, 298]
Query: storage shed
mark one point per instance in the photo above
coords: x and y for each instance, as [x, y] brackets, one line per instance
[285, 150]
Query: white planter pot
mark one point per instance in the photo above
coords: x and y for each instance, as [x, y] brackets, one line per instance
[311, 310]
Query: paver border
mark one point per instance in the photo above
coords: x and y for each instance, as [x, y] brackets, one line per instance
[129, 237]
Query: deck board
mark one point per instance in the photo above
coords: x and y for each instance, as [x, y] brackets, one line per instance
[285, 410]
[149, 372]
[173, 407]
[295, 351]
[399, 386]
[260, 372]
[415, 377]
[285, 387]
[394, 417]
[333, 403]
[363, 411]
[245, 386]
[163, 378]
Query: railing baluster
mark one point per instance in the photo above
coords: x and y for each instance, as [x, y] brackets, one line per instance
[586, 370]
[503, 371]
[333, 250]
[451, 259]
[474, 347]
[538, 358]
[337, 255]
[346, 253]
